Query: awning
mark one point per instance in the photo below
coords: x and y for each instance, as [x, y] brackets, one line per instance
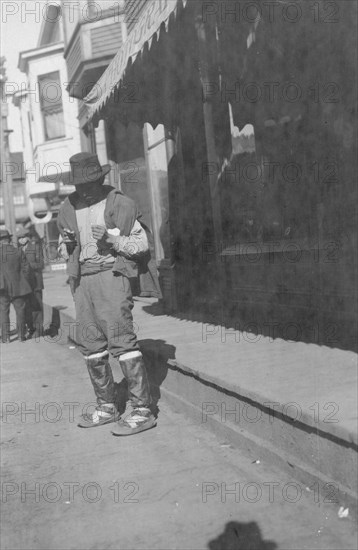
[41, 189]
[155, 14]
[51, 185]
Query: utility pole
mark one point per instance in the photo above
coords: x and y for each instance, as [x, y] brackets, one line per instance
[5, 166]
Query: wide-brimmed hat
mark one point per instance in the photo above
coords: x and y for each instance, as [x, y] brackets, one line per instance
[4, 234]
[86, 168]
[23, 232]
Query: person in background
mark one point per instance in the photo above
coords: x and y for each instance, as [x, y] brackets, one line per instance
[14, 287]
[32, 249]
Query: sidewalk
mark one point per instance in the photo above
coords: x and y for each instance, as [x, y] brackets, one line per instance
[291, 401]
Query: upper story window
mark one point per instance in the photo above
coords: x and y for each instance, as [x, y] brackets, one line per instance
[18, 193]
[51, 105]
[51, 32]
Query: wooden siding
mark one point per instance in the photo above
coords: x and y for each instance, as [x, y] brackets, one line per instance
[95, 43]
[106, 40]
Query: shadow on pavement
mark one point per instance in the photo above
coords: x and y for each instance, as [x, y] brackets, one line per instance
[241, 536]
[156, 354]
[55, 323]
[121, 390]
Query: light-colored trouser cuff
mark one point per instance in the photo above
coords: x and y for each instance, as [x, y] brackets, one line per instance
[130, 355]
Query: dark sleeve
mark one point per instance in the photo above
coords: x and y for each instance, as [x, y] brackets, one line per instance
[39, 256]
[67, 220]
[35, 256]
[125, 214]
[25, 265]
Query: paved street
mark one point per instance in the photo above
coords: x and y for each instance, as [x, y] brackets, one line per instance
[170, 487]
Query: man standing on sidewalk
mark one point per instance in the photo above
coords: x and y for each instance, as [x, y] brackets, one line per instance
[106, 247]
[14, 287]
[32, 249]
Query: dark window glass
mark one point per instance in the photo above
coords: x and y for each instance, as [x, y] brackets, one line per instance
[51, 105]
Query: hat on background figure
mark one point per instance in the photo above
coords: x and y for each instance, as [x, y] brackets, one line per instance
[23, 232]
[4, 234]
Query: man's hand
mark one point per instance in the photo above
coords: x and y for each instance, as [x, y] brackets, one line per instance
[100, 233]
[69, 237]
[62, 251]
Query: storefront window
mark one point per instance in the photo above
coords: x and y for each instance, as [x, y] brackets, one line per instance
[266, 192]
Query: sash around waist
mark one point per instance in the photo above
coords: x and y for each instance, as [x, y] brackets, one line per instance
[88, 268]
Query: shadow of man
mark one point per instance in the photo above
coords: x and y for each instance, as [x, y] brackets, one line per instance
[241, 536]
[53, 325]
[156, 355]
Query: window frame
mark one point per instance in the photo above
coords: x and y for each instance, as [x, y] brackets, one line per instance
[47, 109]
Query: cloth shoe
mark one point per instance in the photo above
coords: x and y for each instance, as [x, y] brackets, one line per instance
[135, 419]
[103, 414]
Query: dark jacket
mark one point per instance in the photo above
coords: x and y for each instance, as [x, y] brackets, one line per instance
[120, 212]
[14, 271]
[34, 255]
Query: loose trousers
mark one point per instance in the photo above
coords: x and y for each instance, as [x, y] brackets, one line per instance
[104, 319]
[105, 324]
[34, 312]
[19, 303]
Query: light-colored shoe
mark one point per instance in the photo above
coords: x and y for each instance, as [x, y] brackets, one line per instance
[134, 421]
[103, 414]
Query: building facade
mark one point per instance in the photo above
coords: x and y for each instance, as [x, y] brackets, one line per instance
[50, 126]
[261, 234]
[12, 168]
[95, 32]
